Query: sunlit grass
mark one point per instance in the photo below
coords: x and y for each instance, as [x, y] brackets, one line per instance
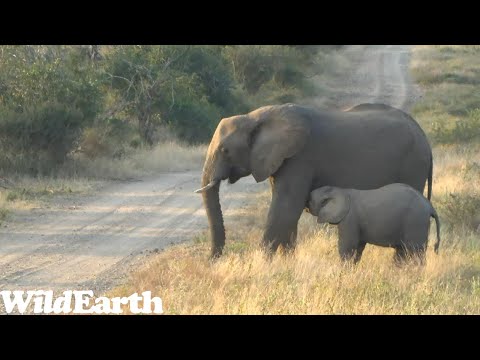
[312, 280]
[165, 157]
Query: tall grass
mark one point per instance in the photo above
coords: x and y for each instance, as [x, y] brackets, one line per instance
[313, 280]
[166, 156]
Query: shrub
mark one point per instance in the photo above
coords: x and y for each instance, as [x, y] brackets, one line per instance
[93, 143]
[460, 210]
[464, 129]
[111, 137]
[35, 75]
[255, 65]
[43, 134]
[3, 214]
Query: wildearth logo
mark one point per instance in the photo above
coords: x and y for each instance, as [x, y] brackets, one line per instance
[79, 302]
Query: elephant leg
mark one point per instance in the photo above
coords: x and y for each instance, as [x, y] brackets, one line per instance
[408, 252]
[349, 244]
[400, 255]
[289, 196]
[415, 237]
[359, 252]
[419, 255]
[415, 170]
[290, 245]
[349, 252]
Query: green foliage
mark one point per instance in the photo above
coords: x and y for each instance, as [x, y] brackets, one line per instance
[450, 75]
[457, 209]
[255, 65]
[187, 88]
[464, 129]
[111, 138]
[212, 72]
[3, 214]
[104, 101]
[47, 94]
[35, 75]
[41, 135]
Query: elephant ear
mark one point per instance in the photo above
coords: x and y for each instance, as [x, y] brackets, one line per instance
[335, 210]
[279, 135]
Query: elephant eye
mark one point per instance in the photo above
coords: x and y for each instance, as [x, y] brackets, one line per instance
[225, 150]
[324, 202]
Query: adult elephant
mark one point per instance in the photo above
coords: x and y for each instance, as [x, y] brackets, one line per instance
[301, 148]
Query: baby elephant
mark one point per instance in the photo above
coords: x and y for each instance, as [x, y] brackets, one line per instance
[394, 215]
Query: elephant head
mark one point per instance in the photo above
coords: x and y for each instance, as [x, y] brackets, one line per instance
[256, 143]
[329, 204]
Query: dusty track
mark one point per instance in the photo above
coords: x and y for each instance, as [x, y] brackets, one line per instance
[379, 75]
[92, 242]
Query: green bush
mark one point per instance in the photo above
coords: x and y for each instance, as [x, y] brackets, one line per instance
[459, 210]
[47, 95]
[55, 99]
[111, 137]
[39, 136]
[3, 214]
[188, 88]
[194, 120]
[31, 76]
[465, 129]
[255, 65]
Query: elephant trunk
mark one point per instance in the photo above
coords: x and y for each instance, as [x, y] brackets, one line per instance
[211, 200]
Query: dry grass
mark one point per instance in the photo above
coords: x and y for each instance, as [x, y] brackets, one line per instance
[167, 156]
[314, 281]
[449, 110]
[25, 193]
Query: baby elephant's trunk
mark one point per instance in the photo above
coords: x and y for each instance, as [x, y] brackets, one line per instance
[437, 221]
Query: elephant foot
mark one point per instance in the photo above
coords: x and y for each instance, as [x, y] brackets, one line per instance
[351, 255]
[405, 256]
[269, 248]
[216, 254]
[287, 249]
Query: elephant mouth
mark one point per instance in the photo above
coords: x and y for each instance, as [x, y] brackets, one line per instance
[233, 179]
[236, 174]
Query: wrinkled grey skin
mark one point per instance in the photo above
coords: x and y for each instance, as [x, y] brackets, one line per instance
[395, 216]
[300, 149]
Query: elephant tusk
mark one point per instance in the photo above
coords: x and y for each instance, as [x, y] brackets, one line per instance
[205, 188]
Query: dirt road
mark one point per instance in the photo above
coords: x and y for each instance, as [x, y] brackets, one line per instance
[379, 75]
[92, 242]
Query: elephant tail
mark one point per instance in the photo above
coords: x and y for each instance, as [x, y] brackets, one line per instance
[430, 173]
[437, 221]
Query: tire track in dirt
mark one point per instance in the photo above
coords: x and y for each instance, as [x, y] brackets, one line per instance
[379, 75]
